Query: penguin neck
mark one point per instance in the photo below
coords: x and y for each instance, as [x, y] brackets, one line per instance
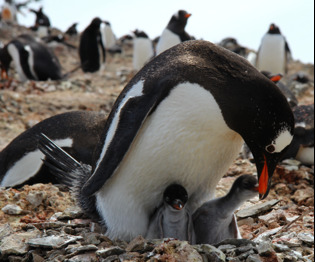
[173, 215]
[229, 203]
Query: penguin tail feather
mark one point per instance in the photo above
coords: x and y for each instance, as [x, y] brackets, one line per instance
[63, 166]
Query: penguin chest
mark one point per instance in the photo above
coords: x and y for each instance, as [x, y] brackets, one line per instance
[185, 141]
[271, 56]
[142, 52]
[167, 40]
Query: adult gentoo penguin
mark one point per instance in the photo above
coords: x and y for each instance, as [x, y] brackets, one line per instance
[142, 49]
[215, 221]
[182, 119]
[42, 23]
[92, 49]
[77, 132]
[32, 59]
[174, 33]
[274, 52]
[172, 219]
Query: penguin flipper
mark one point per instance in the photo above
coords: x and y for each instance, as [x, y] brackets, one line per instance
[129, 113]
[61, 164]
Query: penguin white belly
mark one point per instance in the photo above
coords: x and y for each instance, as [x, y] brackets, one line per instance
[271, 55]
[142, 52]
[166, 41]
[14, 52]
[185, 141]
[306, 155]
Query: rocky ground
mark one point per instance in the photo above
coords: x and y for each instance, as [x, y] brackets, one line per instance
[42, 223]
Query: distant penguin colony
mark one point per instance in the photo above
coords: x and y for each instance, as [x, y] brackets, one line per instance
[274, 52]
[215, 221]
[186, 126]
[77, 132]
[142, 50]
[174, 33]
[32, 59]
[92, 49]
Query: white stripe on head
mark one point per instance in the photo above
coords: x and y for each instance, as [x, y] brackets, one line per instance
[135, 91]
[28, 165]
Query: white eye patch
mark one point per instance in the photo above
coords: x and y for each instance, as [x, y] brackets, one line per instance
[283, 139]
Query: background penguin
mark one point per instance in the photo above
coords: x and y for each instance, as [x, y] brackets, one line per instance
[175, 32]
[215, 221]
[9, 12]
[32, 59]
[77, 132]
[172, 219]
[142, 50]
[302, 146]
[42, 23]
[92, 49]
[72, 30]
[179, 120]
[274, 52]
[231, 44]
[108, 36]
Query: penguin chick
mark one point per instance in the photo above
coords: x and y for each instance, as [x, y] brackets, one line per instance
[215, 221]
[172, 219]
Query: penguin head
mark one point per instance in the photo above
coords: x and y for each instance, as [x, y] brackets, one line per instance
[139, 34]
[175, 196]
[180, 18]
[245, 187]
[274, 29]
[96, 23]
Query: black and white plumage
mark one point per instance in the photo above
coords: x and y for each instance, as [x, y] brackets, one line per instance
[92, 49]
[274, 52]
[182, 119]
[72, 30]
[77, 132]
[174, 33]
[32, 59]
[231, 44]
[215, 221]
[42, 23]
[142, 49]
[302, 146]
[172, 219]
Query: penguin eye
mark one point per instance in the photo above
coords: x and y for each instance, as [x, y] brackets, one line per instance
[270, 148]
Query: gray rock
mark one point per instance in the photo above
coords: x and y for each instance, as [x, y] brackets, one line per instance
[15, 244]
[265, 248]
[86, 257]
[265, 236]
[35, 198]
[280, 248]
[12, 210]
[111, 251]
[212, 253]
[53, 241]
[256, 209]
[306, 237]
[253, 258]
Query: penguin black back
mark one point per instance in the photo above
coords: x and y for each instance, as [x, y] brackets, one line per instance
[90, 43]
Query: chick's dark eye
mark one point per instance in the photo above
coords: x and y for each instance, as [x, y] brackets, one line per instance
[270, 148]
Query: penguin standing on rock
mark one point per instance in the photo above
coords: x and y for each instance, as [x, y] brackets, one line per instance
[142, 49]
[182, 119]
[77, 132]
[215, 221]
[92, 49]
[32, 59]
[274, 52]
[174, 33]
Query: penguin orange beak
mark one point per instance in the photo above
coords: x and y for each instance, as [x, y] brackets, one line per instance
[187, 15]
[263, 179]
[276, 78]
